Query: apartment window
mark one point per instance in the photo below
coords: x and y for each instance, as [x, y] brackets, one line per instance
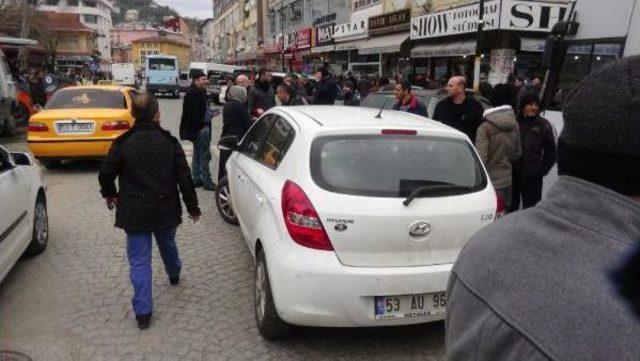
[363, 4]
[91, 19]
[90, 4]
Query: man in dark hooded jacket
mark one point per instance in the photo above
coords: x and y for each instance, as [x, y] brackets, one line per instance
[262, 95]
[327, 89]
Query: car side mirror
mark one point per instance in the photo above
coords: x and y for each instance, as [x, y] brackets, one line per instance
[21, 159]
[229, 143]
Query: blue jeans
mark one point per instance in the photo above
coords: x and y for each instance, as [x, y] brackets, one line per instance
[202, 157]
[139, 255]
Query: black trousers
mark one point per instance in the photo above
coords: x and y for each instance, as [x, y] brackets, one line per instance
[527, 192]
[224, 156]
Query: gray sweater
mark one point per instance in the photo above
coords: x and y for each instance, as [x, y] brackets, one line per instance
[536, 285]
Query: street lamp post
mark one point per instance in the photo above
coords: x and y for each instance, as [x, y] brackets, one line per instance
[478, 59]
[282, 29]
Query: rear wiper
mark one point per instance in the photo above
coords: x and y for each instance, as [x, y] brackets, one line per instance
[435, 189]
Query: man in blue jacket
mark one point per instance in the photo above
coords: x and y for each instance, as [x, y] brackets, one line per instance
[408, 102]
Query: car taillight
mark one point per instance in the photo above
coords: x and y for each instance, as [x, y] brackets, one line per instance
[500, 206]
[116, 125]
[302, 220]
[399, 132]
[37, 127]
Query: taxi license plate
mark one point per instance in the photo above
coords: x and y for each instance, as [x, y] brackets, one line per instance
[74, 127]
[419, 305]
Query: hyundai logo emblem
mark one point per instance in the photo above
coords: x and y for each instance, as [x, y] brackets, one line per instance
[340, 227]
[419, 229]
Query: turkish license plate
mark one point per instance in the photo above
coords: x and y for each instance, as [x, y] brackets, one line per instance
[75, 127]
[419, 305]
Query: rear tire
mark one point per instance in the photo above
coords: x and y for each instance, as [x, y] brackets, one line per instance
[223, 202]
[40, 234]
[270, 325]
[52, 164]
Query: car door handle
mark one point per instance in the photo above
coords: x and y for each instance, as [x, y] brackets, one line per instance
[260, 199]
[242, 178]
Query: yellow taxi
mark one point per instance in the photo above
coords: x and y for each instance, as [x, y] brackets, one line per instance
[80, 122]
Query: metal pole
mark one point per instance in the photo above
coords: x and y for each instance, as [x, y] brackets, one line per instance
[282, 29]
[478, 60]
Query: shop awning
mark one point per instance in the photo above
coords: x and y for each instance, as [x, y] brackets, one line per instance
[532, 45]
[458, 48]
[350, 45]
[383, 44]
[323, 49]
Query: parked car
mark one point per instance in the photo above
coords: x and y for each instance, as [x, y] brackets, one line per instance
[123, 74]
[80, 122]
[24, 226]
[430, 98]
[378, 208]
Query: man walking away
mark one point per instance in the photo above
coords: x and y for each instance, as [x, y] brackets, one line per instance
[498, 144]
[262, 96]
[538, 154]
[351, 95]
[536, 285]
[327, 89]
[459, 110]
[235, 121]
[408, 102]
[195, 127]
[150, 166]
[288, 96]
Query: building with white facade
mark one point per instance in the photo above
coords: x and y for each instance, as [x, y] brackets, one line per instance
[95, 14]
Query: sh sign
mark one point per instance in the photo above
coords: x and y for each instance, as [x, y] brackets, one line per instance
[531, 16]
[456, 21]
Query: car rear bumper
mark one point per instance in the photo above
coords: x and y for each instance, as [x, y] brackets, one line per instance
[312, 288]
[166, 88]
[70, 148]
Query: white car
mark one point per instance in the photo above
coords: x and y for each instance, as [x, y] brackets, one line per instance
[353, 219]
[24, 227]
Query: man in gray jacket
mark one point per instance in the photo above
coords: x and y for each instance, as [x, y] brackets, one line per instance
[498, 143]
[537, 284]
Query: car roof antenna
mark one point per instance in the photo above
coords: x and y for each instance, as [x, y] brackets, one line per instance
[379, 116]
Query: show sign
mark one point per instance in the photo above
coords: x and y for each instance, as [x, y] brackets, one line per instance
[513, 15]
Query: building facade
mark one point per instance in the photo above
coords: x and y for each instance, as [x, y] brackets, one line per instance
[163, 44]
[70, 44]
[94, 14]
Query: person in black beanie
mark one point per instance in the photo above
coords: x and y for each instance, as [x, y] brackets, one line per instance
[538, 154]
[537, 284]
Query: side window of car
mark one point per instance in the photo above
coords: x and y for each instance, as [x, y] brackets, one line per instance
[254, 139]
[5, 165]
[278, 142]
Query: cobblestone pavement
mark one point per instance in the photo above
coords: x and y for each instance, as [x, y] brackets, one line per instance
[73, 301]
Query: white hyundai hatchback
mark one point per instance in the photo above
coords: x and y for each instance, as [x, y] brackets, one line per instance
[24, 226]
[354, 219]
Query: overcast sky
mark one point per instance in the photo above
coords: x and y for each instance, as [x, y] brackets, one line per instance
[200, 9]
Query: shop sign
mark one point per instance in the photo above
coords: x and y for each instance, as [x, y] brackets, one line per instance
[390, 23]
[353, 28]
[531, 16]
[502, 64]
[303, 38]
[455, 21]
[325, 19]
[324, 35]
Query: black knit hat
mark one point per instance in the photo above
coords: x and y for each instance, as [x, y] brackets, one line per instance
[600, 141]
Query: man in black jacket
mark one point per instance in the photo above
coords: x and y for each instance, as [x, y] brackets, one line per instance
[408, 102]
[196, 127]
[538, 154]
[459, 110]
[262, 95]
[288, 96]
[151, 167]
[235, 122]
[327, 88]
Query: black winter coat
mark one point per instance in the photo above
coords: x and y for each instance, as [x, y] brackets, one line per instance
[468, 122]
[351, 99]
[538, 148]
[235, 119]
[194, 109]
[261, 96]
[326, 92]
[150, 166]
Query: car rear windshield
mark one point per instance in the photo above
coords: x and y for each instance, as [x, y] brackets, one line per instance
[377, 100]
[396, 165]
[162, 64]
[87, 99]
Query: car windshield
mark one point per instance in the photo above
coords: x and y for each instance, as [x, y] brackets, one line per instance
[395, 166]
[87, 99]
[162, 64]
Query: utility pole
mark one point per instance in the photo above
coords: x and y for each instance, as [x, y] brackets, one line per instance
[478, 60]
[25, 28]
[282, 30]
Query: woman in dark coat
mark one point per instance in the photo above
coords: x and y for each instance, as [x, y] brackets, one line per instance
[235, 121]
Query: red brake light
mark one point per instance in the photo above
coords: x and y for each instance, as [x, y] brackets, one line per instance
[116, 125]
[302, 220]
[399, 132]
[500, 206]
[37, 127]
